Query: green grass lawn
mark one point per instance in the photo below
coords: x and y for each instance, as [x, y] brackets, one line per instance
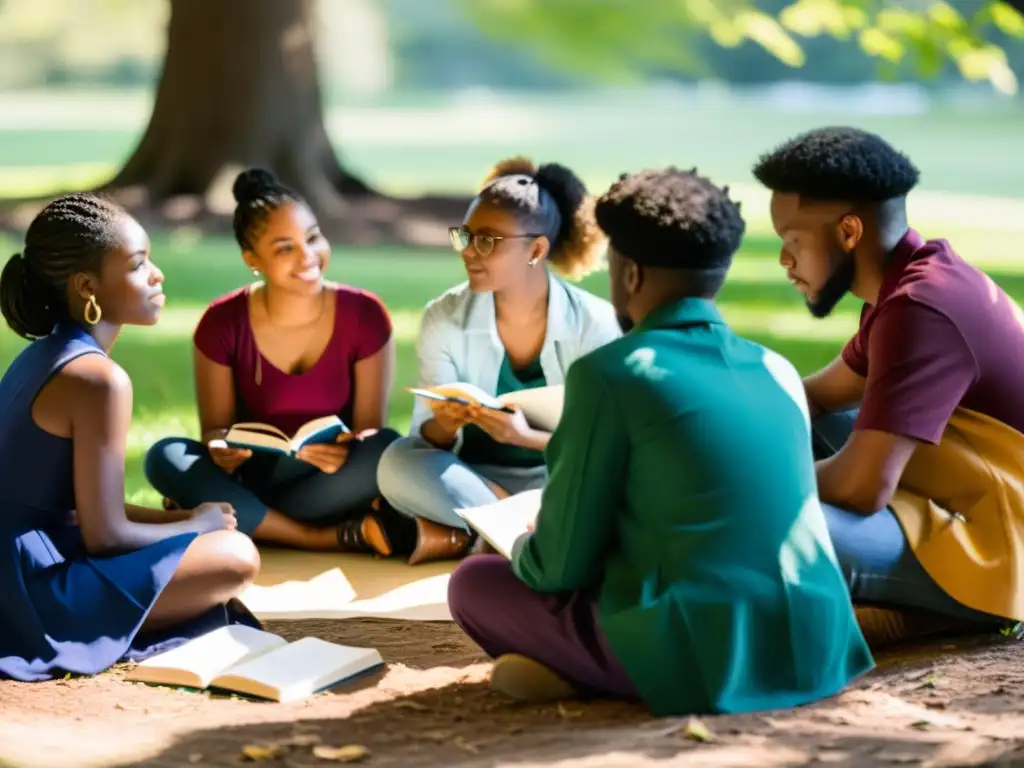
[757, 301]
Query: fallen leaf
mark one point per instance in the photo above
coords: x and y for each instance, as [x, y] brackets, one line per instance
[121, 707]
[917, 674]
[568, 713]
[351, 753]
[259, 753]
[921, 725]
[413, 705]
[696, 730]
[195, 757]
[465, 746]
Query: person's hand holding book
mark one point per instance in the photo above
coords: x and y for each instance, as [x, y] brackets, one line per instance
[450, 417]
[224, 456]
[328, 457]
[508, 428]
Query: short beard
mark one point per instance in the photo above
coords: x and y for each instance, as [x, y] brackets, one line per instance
[625, 323]
[838, 284]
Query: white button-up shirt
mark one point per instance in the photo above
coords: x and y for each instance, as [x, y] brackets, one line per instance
[458, 339]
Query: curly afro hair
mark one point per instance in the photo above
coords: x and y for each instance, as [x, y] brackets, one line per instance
[671, 218]
[838, 163]
[553, 200]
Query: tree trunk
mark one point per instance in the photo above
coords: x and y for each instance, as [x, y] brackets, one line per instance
[239, 88]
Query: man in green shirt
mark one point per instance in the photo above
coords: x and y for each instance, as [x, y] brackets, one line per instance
[680, 555]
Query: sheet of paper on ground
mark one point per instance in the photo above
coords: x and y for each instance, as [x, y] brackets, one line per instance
[307, 585]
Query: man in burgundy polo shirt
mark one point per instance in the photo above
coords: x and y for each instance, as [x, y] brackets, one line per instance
[935, 333]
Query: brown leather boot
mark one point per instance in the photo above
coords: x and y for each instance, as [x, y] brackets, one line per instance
[438, 542]
[364, 534]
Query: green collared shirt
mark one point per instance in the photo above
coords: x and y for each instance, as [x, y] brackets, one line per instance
[682, 495]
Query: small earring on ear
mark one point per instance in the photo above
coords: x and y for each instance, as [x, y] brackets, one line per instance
[92, 312]
[256, 272]
[533, 262]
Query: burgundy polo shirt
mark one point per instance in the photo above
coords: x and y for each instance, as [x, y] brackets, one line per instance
[941, 335]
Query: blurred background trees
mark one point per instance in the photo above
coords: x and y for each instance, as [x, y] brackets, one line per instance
[242, 82]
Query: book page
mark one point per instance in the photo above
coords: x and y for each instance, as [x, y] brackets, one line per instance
[504, 521]
[312, 429]
[298, 670]
[198, 661]
[541, 406]
[258, 435]
[459, 390]
[255, 426]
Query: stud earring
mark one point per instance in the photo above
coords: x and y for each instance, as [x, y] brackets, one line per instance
[92, 313]
[533, 262]
[256, 272]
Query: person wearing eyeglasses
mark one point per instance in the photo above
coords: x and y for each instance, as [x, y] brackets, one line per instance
[513, 325]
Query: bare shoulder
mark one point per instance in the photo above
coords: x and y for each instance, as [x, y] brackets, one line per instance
[95, 379]
[90, 388]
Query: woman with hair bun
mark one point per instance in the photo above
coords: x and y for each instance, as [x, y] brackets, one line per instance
[88, 580]
[284, 351]
[512, 326]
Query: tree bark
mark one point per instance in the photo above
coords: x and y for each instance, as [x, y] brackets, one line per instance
[239, 88]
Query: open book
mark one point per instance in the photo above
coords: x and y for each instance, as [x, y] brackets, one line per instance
[542, 406]
[255, 436]
[250, 661]
[504, 521]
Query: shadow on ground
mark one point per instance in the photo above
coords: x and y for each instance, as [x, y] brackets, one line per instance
[947, 703]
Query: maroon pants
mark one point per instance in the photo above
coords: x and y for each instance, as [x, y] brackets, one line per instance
[502, 615]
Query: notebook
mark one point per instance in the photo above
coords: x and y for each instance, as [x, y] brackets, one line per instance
[542, 406]
[250, 661]
[256, 436]
[502, 522]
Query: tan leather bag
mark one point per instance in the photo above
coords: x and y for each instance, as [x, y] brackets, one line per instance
[976, 472]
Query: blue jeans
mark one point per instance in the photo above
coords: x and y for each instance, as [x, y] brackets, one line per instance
[420, 480]
[182, 470]
[879, 565]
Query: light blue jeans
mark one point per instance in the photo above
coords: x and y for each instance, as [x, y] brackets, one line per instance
[879, 565]
[420, 480]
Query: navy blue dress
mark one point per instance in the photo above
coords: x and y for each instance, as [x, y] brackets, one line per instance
[61, 609]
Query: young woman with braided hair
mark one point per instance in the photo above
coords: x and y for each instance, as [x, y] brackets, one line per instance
[87, 579]
[513, 325]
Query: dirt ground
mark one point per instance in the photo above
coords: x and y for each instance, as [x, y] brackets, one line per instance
[953, 702]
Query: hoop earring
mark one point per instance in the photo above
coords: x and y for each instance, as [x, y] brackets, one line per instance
[93, 313]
